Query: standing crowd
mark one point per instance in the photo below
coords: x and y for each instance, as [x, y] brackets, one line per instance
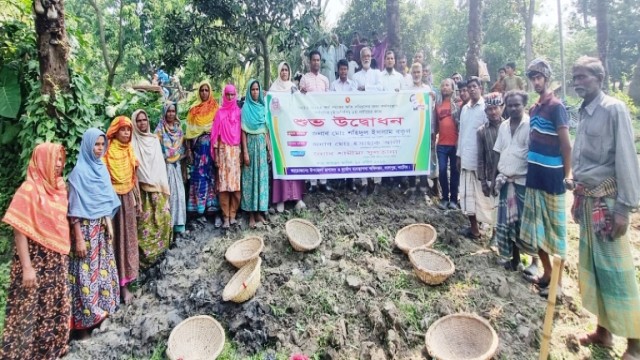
[79, 245]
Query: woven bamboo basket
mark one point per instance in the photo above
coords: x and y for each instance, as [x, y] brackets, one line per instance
[303, 235]
[244, 250]
[431, 266]
[244, 283]
[461, 336]
[196, 338]
[415, 236]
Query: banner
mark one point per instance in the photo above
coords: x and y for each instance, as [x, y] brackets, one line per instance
[349, 135]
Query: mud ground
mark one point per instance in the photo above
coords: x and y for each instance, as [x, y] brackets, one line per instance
[355, 297]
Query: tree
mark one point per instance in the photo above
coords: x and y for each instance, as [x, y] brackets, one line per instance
[528, 12]
[393, 25]
[110, 65]
[634, 87]
[474, 36]
[53, 47]
[602, 36]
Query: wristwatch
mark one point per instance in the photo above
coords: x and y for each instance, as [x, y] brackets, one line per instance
[569, 184]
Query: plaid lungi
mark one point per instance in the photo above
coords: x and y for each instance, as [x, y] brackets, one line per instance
[607, 278]
[473, 201]
[543, 223]
[508, 228]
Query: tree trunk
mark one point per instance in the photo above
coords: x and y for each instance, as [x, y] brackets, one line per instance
[528, 14]
[265, 59]
[474, 36]
[393, 25]
[53, 47]
[634, 87]
[602, 35]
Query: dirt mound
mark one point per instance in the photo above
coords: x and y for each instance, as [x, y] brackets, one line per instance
[356, 296]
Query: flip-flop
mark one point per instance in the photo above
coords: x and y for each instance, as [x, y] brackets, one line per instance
[468, 234]
[536, 280]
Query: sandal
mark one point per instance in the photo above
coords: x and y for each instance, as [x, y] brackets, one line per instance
[469, 234]
[537, 281]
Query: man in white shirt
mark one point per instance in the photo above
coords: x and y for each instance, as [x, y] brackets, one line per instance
[341, 49]
[471, 118]
[391, 79]
[417, 84]
[313, 81]
[368, 79]
[342, 83]
[353, 65]
[404, 71]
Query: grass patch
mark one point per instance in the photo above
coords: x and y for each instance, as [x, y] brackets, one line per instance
[159, 351]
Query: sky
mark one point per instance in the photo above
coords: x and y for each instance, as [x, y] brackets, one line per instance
[547, 16]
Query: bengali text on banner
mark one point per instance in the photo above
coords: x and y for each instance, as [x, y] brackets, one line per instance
[349, 135]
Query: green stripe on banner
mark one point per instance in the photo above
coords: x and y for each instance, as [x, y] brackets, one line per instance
[278, 162]
[424, 152]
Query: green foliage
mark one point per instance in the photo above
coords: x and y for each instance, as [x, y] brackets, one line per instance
[627, 100]
[74, 113]
[10, 97]
[128, 101]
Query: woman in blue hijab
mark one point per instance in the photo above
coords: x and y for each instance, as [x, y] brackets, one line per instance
[256, 149]
[93, 203]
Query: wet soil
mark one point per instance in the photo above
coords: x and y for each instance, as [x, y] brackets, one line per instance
[355, 297]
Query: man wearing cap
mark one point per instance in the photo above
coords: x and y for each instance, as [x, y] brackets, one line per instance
[471, 118]
[544, 224]
[606, 187]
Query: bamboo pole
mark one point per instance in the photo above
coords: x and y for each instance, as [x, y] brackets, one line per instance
[551, 307]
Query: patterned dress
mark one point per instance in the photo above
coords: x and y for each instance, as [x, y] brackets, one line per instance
[229, 168]
[202, 195]
[125, 232]
[93, 279]
[255, 177]
[37, 319]
[154, 227]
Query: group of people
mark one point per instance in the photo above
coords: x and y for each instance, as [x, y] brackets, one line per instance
[80, 244]
[127, 199]
[524, 165]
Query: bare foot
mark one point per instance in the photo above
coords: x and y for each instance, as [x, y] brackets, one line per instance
[127, 296]
[601, 337]
[252, 221]
[261, 218]
[225, 225]
[633, 350]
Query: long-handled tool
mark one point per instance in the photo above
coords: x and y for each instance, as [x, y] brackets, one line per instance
[551, 307]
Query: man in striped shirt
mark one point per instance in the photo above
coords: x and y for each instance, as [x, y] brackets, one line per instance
[544, 224]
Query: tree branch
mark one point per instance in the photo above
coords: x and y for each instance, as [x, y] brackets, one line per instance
[103, 42]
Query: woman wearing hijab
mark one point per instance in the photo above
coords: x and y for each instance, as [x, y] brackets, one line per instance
[38, 306]
[122, 163]
[93, 274]
[154, 223]
[202, 196]
[286, 190]
[256, 148]
[225, 140]
[171, 138]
